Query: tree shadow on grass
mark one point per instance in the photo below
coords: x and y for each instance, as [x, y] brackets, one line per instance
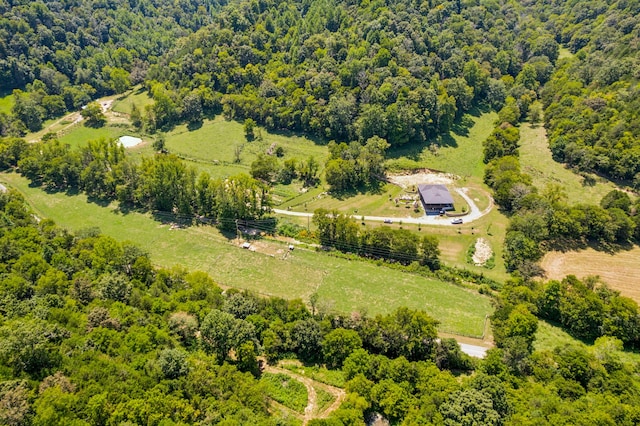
[412, 151]
[172, 219]
[127, 208]
[102, 202]
[462, 125]
[447, 140]
[568, 244]
[50, 190]
[373, 189]
[194, 125]
[317, 140]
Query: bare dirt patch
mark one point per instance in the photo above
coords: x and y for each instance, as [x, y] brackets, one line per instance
[424, 176]
[105, 104]
[621, 271]
[266, 247]
[482, 252]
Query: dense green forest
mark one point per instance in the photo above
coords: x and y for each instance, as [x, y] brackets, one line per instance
[66, 53]
[591, 102]
[403, 71]
[92, 333]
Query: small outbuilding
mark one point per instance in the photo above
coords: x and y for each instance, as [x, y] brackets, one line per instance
[435, 198]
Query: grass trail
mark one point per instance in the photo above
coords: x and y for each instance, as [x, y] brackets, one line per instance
[550, 336]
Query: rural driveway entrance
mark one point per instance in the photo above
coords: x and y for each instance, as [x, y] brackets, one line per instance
[474, 214]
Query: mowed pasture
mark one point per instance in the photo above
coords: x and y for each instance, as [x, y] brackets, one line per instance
[620, 270]
[536, 160]
[138, 96]
[81, 135]
[455, 241]
[343, 285]
[459, 153]
[213, 146]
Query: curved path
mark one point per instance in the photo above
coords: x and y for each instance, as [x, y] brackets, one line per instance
[474, 214]
[311, 410]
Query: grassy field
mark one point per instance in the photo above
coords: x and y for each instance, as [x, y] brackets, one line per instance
[550, 336]
[138, 96]
[535, 158]
[212, 146]
[454, 242]
[460, 154]
[319, 374]
[619, 270]
[564, 53]
[343, 285]
[6, 103]
[378, 203]
[81, 134]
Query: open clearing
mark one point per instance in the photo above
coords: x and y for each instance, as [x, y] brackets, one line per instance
[138, 96]
[342, 285]
[460, 154]
[620, 271]
[536, 160]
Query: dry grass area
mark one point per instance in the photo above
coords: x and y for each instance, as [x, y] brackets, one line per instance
[620, 271]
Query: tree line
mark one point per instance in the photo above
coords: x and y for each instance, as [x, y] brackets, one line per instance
[163, 182]
[341, 232]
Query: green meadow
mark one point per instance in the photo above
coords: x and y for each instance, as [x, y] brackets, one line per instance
[536, 160]
[459, 153]
[343, 285]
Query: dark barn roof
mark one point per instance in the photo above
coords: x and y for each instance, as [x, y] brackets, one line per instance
[435, 194]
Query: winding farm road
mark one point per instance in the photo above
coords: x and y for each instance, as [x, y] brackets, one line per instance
[474, 214]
